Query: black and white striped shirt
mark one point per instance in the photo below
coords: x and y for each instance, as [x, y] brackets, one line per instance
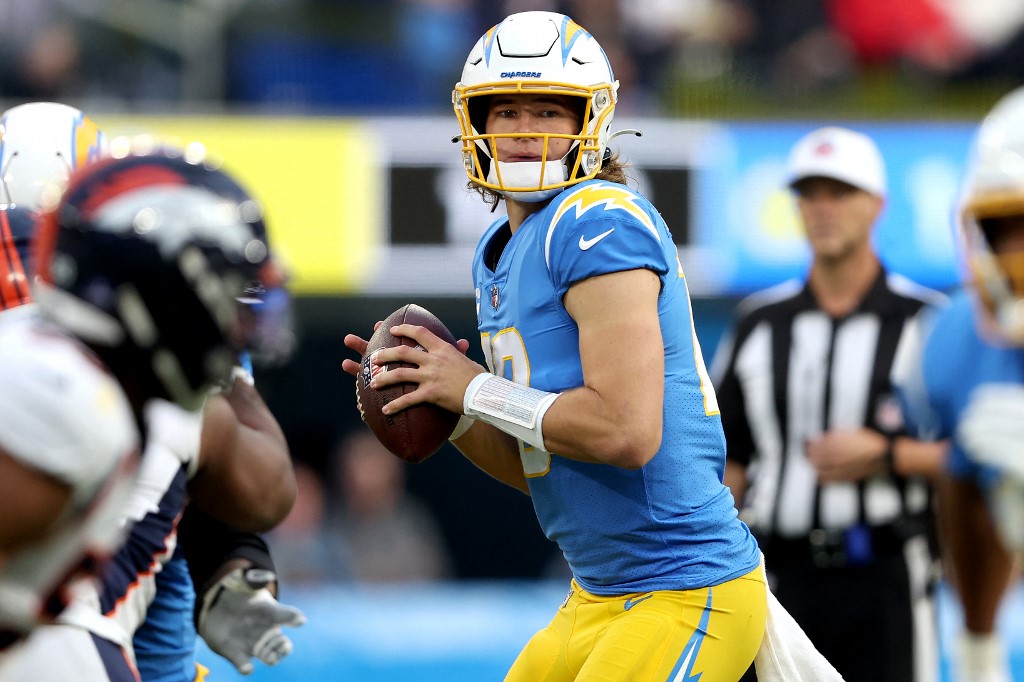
[789, 372]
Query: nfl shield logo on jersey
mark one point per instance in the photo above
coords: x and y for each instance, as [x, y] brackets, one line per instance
[494, 296]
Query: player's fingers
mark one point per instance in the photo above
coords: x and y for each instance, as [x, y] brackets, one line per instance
[420, 335]
[462, 345]
[400, 403]
[350, 366]
[356, 343]
[289, 615]
[241, 661]
[276, 649]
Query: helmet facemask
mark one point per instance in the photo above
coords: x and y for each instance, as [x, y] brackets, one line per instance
[997, 273]
[535, 53]
[991, 216]
[532, 181]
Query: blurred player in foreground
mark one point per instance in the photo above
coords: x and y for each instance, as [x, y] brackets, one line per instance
[41, 144]
[144, 258]
[597, 403]
[964, 380]
[69, 449]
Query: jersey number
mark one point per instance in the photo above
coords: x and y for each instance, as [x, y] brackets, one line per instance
[506, 357]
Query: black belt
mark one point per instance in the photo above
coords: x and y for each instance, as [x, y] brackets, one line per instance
[857, 545]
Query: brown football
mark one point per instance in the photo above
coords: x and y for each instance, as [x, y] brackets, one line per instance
[416, 433]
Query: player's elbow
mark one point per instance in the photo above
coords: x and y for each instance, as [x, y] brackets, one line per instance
[263, 512]
[253, 504]
[273, 510]
[280, 500]
[632, 448]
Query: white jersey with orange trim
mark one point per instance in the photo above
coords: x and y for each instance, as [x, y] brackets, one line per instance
[116, 606]
[110, 609]
[63, 414]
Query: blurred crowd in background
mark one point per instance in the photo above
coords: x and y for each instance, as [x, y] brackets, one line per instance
[675, 57]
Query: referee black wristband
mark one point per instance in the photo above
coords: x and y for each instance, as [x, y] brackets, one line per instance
[890, 454]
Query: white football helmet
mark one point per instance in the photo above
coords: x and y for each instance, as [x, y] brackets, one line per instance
[994, 188]
[41, 143]
[535, 53]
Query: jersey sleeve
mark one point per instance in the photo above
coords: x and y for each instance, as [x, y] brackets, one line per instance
[916, 398]
[603, 228]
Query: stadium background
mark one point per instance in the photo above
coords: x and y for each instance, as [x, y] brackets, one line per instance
[336, 115]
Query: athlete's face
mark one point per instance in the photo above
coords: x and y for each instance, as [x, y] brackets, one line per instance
[1006, 239]
[1005, 235]
[837, 217]
[532, 115]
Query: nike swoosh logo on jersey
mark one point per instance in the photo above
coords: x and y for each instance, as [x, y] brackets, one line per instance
[630, 603]
[587, 243]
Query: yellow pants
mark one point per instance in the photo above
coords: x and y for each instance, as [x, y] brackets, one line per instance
[713, 632]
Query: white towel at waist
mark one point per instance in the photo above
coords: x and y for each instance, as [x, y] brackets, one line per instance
[786, 653]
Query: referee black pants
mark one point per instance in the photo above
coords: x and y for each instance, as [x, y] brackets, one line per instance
[859, 617]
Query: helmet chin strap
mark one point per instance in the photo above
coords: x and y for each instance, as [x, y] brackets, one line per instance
[527, 173]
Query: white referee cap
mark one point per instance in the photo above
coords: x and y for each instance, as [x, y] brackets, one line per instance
[840, 154]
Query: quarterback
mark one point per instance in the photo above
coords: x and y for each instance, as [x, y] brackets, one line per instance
[595, 401]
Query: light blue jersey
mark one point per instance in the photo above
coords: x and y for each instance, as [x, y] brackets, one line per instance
[954, 361]
[165, 643]
[672, 524]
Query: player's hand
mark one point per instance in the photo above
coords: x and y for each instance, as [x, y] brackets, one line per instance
[847, 454]
[241, 619]
[358, 344]
[991, 429]
[440, 370]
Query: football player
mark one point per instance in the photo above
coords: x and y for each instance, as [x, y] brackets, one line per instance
[128, 260]
[69, 449]
[595, 401]
[41, 143]
[964, 380]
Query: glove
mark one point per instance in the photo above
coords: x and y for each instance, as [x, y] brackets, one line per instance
[240, 619]
[991, 429]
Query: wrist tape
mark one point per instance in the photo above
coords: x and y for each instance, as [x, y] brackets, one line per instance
[515, 409]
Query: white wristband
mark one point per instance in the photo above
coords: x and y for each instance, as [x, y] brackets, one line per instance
[465, 424]
[515, 409]
[982, 656]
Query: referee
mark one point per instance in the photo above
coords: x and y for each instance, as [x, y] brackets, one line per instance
[818, 462]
